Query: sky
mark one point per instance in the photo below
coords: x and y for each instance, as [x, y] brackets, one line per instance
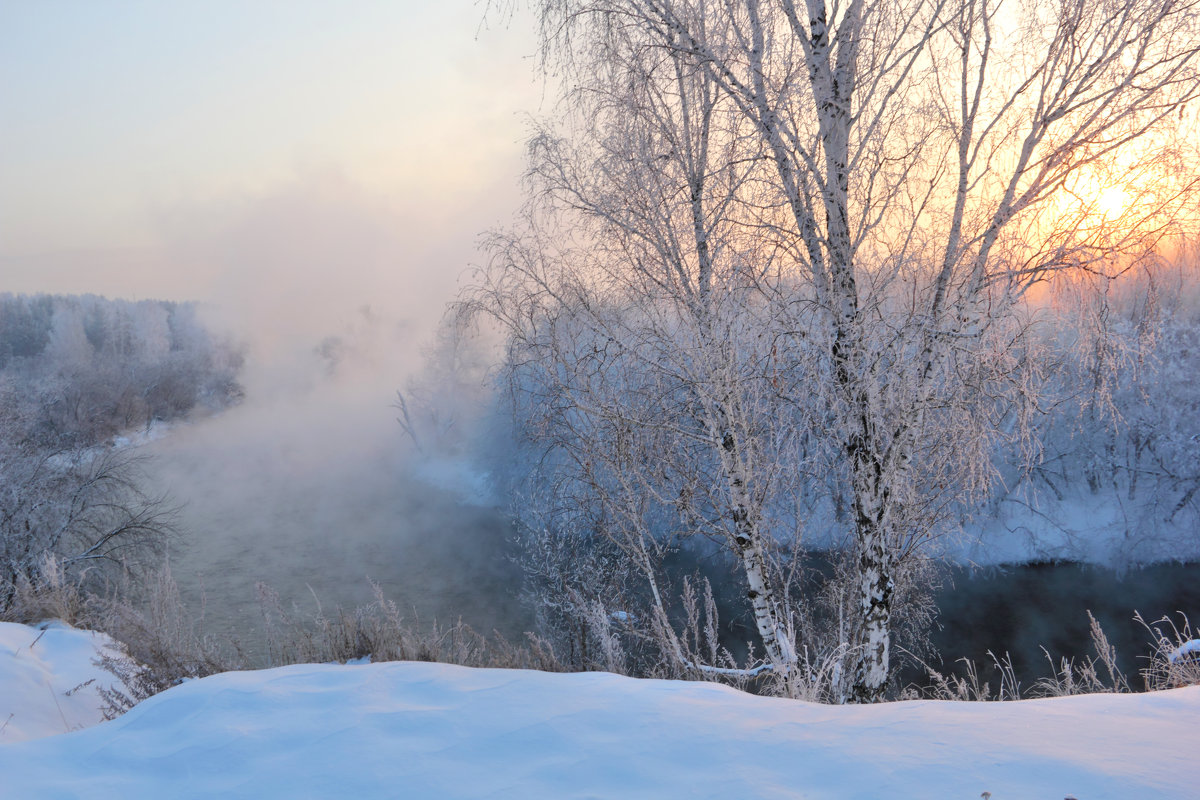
[257, 153]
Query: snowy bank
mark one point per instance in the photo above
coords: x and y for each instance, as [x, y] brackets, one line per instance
[48, 680]
[418, 730]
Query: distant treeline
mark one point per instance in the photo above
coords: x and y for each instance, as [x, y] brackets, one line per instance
[77, 370]
[75, 373]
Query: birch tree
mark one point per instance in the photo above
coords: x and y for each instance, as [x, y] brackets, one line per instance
[632, 305]
[895, 177]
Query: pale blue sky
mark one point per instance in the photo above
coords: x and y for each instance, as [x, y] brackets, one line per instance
[131, 130]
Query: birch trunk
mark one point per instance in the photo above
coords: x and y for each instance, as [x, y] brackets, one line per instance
[748, 540]
[873, 640]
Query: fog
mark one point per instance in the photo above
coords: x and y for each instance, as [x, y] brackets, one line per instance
[310, 485]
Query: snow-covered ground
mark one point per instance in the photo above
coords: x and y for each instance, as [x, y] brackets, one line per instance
[48, 682]
[418, 730]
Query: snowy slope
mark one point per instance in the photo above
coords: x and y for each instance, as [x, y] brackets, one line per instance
[48, 681]
[417, 730]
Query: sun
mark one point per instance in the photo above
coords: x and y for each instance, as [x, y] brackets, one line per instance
[1113, 202]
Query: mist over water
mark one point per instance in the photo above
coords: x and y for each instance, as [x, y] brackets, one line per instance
[316, 497]
[310, 486]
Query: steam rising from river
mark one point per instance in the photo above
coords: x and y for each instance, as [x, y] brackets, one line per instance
[310, 486]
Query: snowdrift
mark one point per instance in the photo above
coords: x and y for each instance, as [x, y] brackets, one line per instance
[48, 681]
[418, 730]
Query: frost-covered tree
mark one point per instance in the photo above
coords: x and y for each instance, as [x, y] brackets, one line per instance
[82, 513]
[641, 350]
[874, 186]
[1118, 437]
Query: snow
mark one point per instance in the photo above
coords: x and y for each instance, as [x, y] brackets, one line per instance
[1189, 649]
[154, 430]
[48, 681]
[1102, 528]
[419, 730]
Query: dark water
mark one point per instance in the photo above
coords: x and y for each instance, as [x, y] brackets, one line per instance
[1014, 611]
[1019, 609]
